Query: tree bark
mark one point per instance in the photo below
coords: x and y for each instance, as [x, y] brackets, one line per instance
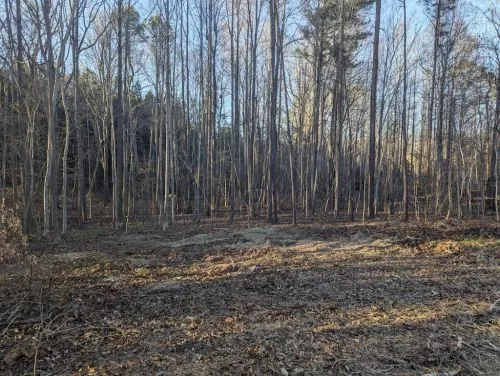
[403, 123]
[273, 138]
[373, 112]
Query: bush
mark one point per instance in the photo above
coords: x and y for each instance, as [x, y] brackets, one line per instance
[13, 241]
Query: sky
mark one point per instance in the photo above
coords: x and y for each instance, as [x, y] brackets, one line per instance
[473, 10]
[417, 17]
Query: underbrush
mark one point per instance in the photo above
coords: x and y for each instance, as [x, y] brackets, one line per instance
[13, 240]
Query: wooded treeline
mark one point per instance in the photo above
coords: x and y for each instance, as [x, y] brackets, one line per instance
[247, 108]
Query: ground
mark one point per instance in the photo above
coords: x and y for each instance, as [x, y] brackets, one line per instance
[380, 298]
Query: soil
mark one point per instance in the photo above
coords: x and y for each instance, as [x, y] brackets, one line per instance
[379, 298]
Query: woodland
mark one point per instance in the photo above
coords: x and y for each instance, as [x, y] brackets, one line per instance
[249, 187]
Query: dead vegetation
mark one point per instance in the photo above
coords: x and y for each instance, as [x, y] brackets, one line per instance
[318, 299]
[13, 242]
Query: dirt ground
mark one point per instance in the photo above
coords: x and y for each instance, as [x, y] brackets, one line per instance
[380, 298]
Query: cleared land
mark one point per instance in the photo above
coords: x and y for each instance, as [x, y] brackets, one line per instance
[317, 299]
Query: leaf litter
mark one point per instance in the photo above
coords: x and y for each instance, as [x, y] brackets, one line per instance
[318, 299]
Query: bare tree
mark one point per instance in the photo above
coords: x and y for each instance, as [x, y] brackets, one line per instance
[49, 19]
[403, 123]
[272, 204]
[373, 111]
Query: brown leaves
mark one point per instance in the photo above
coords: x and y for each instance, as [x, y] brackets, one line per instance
[447, 247]
[316, 300]
[13, 241]
[14, 355]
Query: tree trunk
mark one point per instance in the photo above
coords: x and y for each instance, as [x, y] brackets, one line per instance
[338, 109]
[76, 115]
[373, 111]
[118, 150]
[273, 139]
[430, 114]
[65, 162]
[403, 123]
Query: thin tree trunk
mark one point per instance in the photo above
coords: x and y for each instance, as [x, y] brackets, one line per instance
[339, 106]
[273, 141]
[449, 148]
[373, 111]
[118, 136]
[65, 162]
[403, 123]
[430, 114]
[76, 114]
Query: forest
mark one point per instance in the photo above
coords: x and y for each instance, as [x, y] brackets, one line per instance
[247, 109]
[253, 187]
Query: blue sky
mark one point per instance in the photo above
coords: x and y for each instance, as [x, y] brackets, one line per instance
[473, 10]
